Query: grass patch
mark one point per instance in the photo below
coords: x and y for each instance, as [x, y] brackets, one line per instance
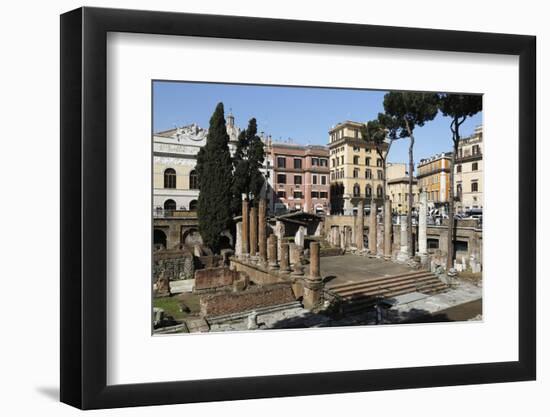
[172, 305]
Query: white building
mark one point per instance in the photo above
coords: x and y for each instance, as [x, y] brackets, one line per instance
[175, 185]
[469, 172]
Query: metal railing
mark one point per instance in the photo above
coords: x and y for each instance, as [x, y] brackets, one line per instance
[160, 213]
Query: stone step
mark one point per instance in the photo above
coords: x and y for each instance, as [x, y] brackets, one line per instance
[382, 292]
[390, 282]
[411, 274]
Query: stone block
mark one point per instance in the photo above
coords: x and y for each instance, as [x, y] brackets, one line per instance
[214, 278]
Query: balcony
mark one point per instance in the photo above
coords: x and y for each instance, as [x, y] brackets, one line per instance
[159, 213]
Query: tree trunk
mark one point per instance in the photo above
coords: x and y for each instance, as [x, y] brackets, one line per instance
[451, 224]
[411, 200]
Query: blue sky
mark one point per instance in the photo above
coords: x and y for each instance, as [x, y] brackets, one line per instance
[303, 114]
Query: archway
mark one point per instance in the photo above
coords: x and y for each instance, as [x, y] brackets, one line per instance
[159, 238]
[193, 205]
[170, 205]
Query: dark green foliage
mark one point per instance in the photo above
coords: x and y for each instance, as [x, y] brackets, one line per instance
[375, 131]
[247, 162]
[460, 106]
[405, 111]
[336, 198]
[214, 170]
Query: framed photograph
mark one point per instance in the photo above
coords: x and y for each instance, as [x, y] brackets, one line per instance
[258, 208]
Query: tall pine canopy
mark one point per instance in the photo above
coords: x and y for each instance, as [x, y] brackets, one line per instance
[247, 162]
[214, 170]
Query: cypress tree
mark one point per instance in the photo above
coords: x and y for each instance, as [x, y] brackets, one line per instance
[247, 162]
[214, 170]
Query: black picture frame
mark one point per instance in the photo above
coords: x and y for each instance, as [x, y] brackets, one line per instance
[84, 207]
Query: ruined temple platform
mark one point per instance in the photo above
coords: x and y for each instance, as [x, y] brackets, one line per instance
[349, 268]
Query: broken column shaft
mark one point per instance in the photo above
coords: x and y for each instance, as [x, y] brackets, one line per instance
[244, 230]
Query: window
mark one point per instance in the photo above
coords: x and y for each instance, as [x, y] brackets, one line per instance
[281, 178]
[323, 162]
[368, 174]
[193, 204]
[323, 194]
[333, 162]
[315, 194]
[355, 160]
[193, 180]
[297, 163]
[379, 191]
[332, 176]
[170, 178]
[380, 174]
[367, 161]
[356, 190]
[368, 191]
[355, 173]
[297, 179]
[475, 150]
[281, 162]
[169, 205]
[314, 161]
[474, 166]
[379, 162]
[461, 246]
[474, 186]
[314, 179]
[433, 243]
[342, 173]
[323, 180]
[356, 149]
[458, 168]
[281, 194]
[356, 133]
[297, 194]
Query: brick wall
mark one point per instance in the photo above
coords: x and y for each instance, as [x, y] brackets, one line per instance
[255, 297]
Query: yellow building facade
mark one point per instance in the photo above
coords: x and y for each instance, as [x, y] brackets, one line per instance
[433, 177]
[398, 187]
[355, 165]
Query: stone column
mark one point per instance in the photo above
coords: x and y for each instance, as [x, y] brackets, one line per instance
[239, 239]
[244, 230]
[284, 264]
[387, 228]
[272, 252]
[296, 259]
[336, 233]
[313, 284]
[360, 224]
[403, 254]
[262, 231]
[253, 223]
[372, 228]
[422, 228]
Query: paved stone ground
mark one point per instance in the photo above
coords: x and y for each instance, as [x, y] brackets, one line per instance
[352, 268]
[461, 303]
